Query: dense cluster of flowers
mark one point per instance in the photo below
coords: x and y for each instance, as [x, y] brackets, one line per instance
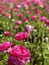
[24, 24]
[18, 55]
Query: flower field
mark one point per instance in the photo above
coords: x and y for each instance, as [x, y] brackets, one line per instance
[24, 32]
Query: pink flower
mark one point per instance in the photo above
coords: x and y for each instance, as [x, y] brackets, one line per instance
[13, 1]
[47, 22]
[21, 35]
[43, 19]
[1, 10]
[16, 27]
[39, 2]
[5, 46]
[26, 6]
[34, 17]
[15, 10]
[18, 22]
[13, 61]
[29, 28]
[7, 33]
[18, 6]
[25, 20]
[20, 54]
[4, 6]
[9, 9]
[39, 12]
[7, 15]
[46, 6]
[8, 1]
[20, 15]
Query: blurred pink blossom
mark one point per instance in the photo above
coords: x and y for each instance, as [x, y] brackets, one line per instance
[5, 46]
[47, 22]
[29, 28]
[20, 54]
[19, 22]
[7, 33]
[34, 17]
[13, 61]
[43, 19]
[21, 36]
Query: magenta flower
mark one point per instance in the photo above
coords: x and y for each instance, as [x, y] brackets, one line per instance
[7, 33]
[1, 10]
[21, 35]
[25, 20]
[43, 19]
[47, 22]
[34, 17]
[18, 22]
[5, 46]
[20, 54]
[13, 61]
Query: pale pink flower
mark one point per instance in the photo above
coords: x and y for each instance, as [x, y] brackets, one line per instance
[16, 27]
[19, 22]
[8, 15]
[29, 28]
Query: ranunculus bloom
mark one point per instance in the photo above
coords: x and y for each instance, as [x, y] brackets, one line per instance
[18, 22]
[21, 35]
[39, 12]
[13, 61]
[7, 15]
[25, 20]
[7, 33]
[47, 22]
[16, 27]
[4, 6]
[5, 46]
[34, 17]
[19, 54]
[43, 19]
[20, 15]
[1, 10]
[29, 28]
